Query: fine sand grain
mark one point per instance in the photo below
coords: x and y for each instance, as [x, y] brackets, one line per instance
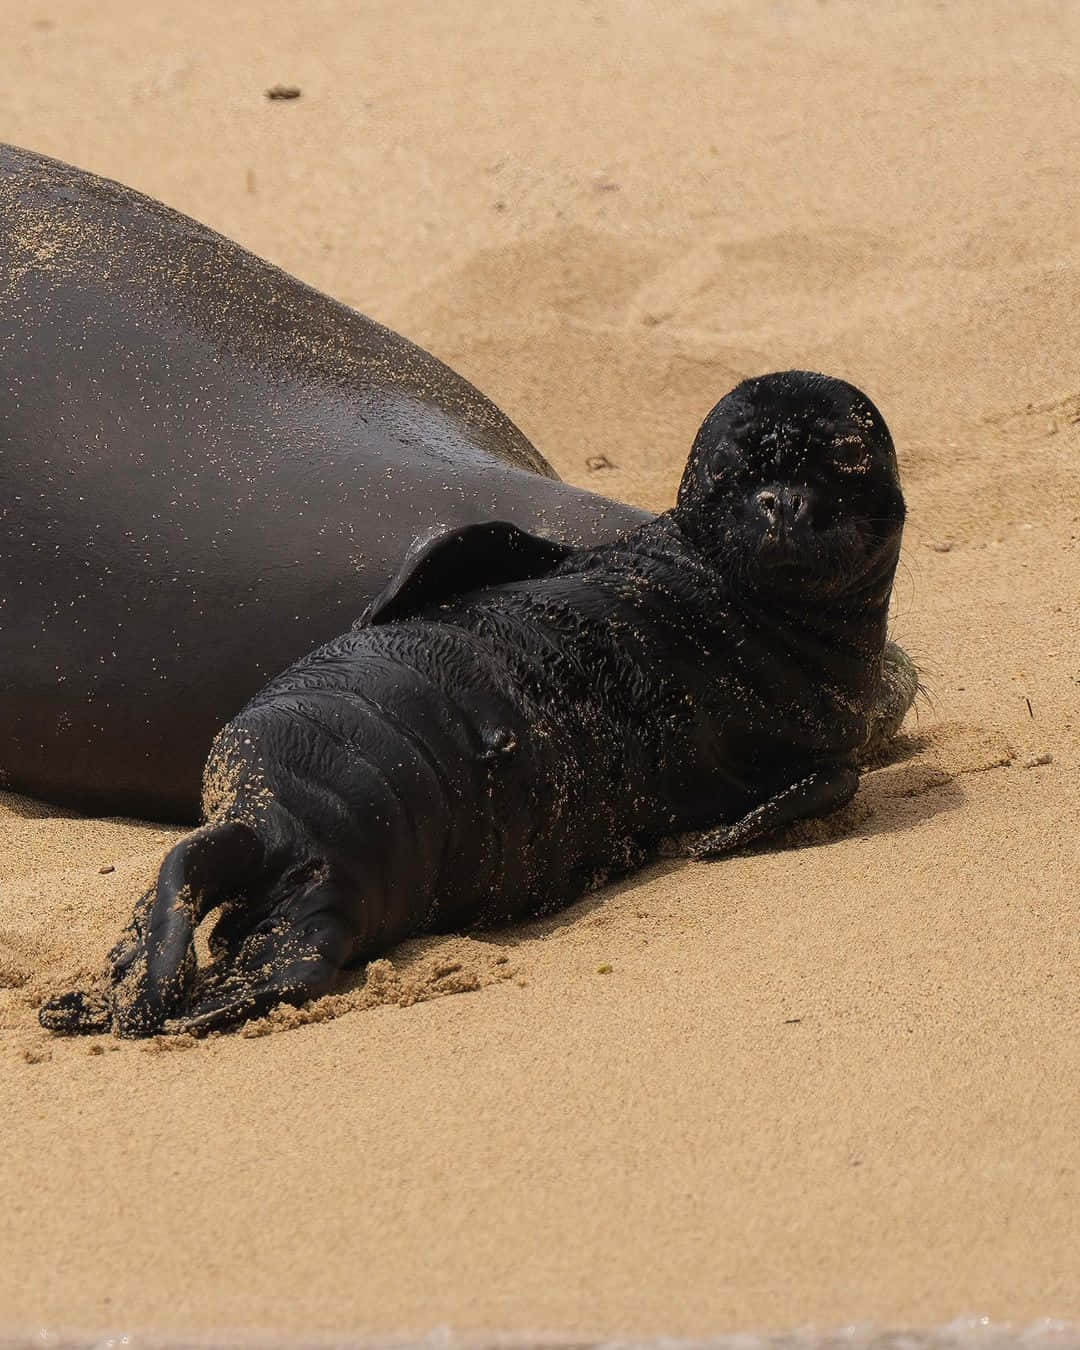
[832, 1083]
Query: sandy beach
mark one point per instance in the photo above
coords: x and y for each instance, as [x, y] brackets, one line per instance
[829, 1083]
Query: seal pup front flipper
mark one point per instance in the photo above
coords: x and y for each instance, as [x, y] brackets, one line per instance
[818, 794]
[450, 562]
[823, 791]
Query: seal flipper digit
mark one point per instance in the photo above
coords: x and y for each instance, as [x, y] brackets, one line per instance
[450, 562]
[200, 872]
[82, 1011]
[295, 957]
[823, 791]
[78, 1013]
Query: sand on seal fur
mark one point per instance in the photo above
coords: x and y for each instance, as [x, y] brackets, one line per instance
[827, 1084]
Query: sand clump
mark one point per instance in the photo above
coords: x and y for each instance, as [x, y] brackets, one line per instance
[421, 970]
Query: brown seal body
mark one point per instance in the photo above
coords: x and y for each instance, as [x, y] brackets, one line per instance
[206, 469]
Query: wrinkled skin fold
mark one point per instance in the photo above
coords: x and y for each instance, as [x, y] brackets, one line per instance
[468, 757]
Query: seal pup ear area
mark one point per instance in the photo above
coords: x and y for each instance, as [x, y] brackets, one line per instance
[453, 561]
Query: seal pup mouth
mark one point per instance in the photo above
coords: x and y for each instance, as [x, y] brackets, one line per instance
[792, 489]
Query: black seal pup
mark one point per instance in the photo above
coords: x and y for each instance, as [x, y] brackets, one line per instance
[451, 762]
[206, 469]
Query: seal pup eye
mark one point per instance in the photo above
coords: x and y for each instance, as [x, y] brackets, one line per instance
[850, 454]
[725, 461]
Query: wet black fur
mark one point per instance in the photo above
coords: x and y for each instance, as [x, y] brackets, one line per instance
[493, 755]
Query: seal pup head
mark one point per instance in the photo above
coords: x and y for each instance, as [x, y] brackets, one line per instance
[792, 491]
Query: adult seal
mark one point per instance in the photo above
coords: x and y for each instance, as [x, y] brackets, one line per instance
[472, 758]
[206, 468]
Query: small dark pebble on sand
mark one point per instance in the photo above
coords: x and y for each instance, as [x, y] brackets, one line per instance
[283, 91]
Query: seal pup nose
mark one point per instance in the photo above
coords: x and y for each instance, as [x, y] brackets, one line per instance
[783, 505]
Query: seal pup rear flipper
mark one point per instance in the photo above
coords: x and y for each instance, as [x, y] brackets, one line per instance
[450, 562]
[153, 966]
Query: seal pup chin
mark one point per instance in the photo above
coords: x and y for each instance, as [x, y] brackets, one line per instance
[472, 753]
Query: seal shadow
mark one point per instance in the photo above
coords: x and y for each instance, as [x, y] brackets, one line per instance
[14, 804]
[899, 790]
